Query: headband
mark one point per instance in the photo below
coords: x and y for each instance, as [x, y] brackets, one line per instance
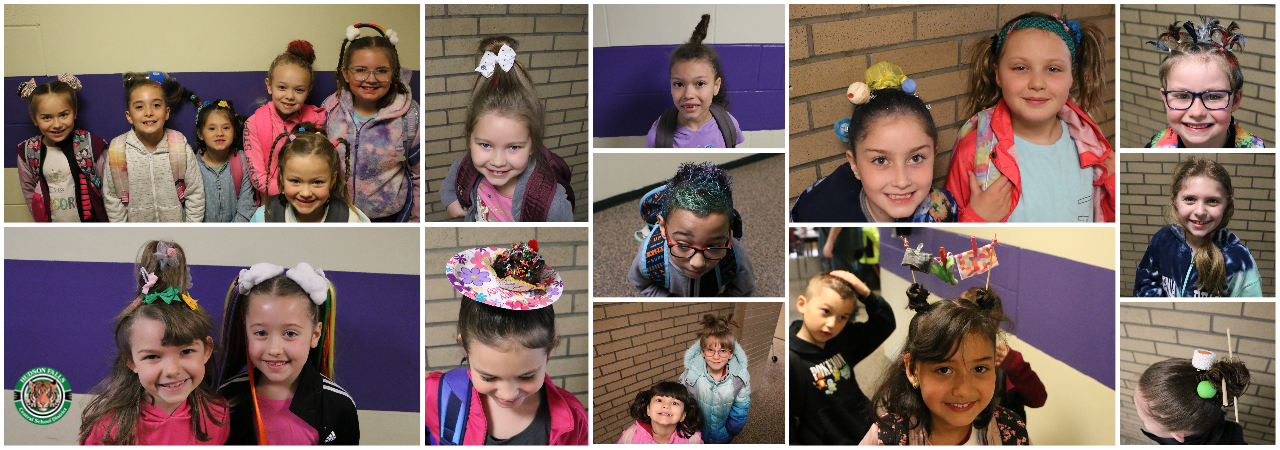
[505, 58]
[311, 280]
[353, 32]
[26, 88]
[1069, 31]
[1201, 33]
[526, 281]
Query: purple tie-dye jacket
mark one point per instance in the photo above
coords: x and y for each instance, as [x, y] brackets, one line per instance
[378, 182]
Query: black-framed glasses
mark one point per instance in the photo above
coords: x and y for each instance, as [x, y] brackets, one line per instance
[1212, 100]
[683, 251]
[362, 73]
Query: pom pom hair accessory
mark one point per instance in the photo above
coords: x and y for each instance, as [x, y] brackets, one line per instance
[353, 32]
[881, 75]
[474, 274]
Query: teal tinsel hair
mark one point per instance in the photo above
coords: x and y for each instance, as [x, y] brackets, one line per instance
[700, 188]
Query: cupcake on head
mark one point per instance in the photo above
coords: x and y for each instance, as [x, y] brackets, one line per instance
[510, 278]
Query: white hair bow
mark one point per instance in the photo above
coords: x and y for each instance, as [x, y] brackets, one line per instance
[505, 58]
[312, 280]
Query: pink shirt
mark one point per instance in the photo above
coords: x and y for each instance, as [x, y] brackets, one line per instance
[283, 426]
[157, 428]
[492, 206]
[261, 130]
[640, 433]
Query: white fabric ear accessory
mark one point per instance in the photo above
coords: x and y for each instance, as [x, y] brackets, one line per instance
[311, 280]
[258, 273]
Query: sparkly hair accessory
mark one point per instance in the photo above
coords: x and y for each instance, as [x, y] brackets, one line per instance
[353, 32]
[506, 58]
[71, 80]
[1069, 31]
[26, 88]
[1208, 31]
[516, 278]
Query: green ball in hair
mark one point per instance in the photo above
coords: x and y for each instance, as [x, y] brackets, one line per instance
[1206, 389]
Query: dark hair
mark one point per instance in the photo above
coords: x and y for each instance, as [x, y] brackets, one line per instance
[1208, 259]
[692, 413]
[494, 326]
[825, 280]
[53, 87]
[717, 329]
[694, 50]
[121, 393]
[371, 42]
[170, 89]
[202, 117]
[700, 188]
[509, 94]
[884, 103]
[174, 274]
[235, 336]
[299, 53]
[1169, 388]
[1088, 72]
[934, 336]
[309, 139]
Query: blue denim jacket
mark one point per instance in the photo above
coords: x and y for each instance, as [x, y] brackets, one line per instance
[220, 202]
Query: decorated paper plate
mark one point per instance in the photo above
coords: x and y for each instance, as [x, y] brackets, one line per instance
[473, 274]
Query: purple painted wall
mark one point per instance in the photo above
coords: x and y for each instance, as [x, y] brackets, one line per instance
[66, 324]
[102, 102]
[1063, 307]
[631, 88]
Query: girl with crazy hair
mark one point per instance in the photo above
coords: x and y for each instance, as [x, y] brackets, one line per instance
[1181, 401]
[310, 179]
[507, 174]
[1196, 255]
[289, 81]
[60, 170]
[715, 371]
[701, 118]
[1201, 65]
[665, 414]
[1030, 154]
[690, 246]
[229, 194]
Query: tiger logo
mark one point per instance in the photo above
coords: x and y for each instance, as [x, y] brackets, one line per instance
[43, 396]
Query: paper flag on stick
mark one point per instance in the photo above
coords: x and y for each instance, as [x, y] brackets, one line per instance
[920, 261]
[972, 263]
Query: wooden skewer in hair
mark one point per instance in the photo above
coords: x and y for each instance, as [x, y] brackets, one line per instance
[1235, 405]
[993, 239]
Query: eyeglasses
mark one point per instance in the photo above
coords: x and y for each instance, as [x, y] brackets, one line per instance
[687, 251]
[362, 73]
[713, 352]
[1212, 100]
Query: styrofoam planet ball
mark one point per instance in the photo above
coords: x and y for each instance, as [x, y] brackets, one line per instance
[909, 86]
[858, 93]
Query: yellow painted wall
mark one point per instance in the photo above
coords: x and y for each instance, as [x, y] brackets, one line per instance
[630, 171]
[1094, 245]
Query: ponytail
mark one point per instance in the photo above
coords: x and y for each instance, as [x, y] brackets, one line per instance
[694, 50]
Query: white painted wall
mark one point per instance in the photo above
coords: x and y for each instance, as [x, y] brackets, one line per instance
[630, 171]
[624, 25]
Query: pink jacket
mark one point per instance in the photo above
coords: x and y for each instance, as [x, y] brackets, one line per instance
[640, 433]
[260, 131]
[157, 428]
[568, 417]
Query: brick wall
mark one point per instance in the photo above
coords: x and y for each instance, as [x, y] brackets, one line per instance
[553, 47]
[832, 46]
[1144, 194]
[1142, 111]
[1154, 332]
[639, 344]
[565, 249]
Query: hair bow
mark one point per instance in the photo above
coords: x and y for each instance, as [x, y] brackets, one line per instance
[505, 58]
[71, 80]
[26, 88]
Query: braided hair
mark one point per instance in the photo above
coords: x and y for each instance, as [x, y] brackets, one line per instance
[308, 139]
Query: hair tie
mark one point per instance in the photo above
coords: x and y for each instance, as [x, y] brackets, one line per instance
[71, 80]
[292, 137]
[353, 32]
[1203, 360]
[881, 75]
[335, 143]
[506, 58]
[1053, 25]
[26, 88]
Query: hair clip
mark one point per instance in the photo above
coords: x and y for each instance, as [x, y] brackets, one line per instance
[353, 32]
[223, 103]
[170, 295]
[302, 129]
[166, 255]
[71, 80]
[150, 277]
[157, 77]
[506, 58]
[26, 88]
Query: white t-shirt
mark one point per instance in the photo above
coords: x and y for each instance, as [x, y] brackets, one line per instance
[62, 187]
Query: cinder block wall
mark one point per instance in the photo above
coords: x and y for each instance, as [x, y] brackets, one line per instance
[553, 47]
[832, 46]
[1142, 110]
[565, 249]
[1154, 332]
[1144, 196]
[639, 344]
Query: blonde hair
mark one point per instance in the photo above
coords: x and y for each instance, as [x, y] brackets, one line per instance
[1208, 259]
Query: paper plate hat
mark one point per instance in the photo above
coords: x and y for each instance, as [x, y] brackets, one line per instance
[526, 281]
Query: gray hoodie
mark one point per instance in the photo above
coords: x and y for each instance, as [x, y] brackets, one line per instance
[683, 286]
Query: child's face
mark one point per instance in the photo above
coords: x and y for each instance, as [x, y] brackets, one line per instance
[665, 410]
[1140, 404]
[686, 228]
[507, 376]
[217, 133]
[55, 118]
[1034, 75]
[289, 86]
[307, 181]
[825, 315]
[147, 111]
[717, 356]
[168, 373]
[1199, 127]
[500, 149]
[693, 85]
[958, 389]
[895, 164]
[373, 63]
[1200, 204]
[281, 333]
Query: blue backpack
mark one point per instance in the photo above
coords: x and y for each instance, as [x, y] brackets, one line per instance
[655, 254]
[455, 404]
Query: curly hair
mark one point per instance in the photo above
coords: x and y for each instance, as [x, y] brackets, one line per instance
[692, 412]
[700, 188]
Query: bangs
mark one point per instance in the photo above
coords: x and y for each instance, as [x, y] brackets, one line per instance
[725, 340]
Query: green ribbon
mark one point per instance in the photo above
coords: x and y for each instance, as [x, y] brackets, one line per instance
[170, 295]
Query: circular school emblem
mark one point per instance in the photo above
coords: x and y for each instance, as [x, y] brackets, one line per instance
[42, 396]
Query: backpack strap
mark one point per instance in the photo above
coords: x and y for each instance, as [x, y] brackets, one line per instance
[31, 150]
[466, 181]
[338, 212]
[177, 162]
[455, 403]
[725, 122]
[655, 258]
[275, 206]
[540, 190]
[117, 163]
[666, 135]
[236, 164]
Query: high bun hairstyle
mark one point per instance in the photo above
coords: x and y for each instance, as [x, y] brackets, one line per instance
[202, 117]
[1208, 259]
[167, 261]
[299, 53]
[309, 139]
[1168, 389]
[694, 50]
[934, 336]
[700, 188]
[1206, 41]
[508, 94]
[349, 47]
[500, 328]
[717, 329]
[172, 91]
[1088, 70]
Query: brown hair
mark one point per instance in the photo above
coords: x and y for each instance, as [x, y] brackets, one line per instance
[1088, 71]
[1183, 50]
[174, 274]
[825, 280]
[235, 337]
[309, 139]
[717, 329]
[299, 53]
[371, 42]
[693, 420]
[121, 393]
[1169, 390]
[509, 94]
[694, 50]
[1208, 258]
[495, 327]
[53, 87]
[170, 90]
